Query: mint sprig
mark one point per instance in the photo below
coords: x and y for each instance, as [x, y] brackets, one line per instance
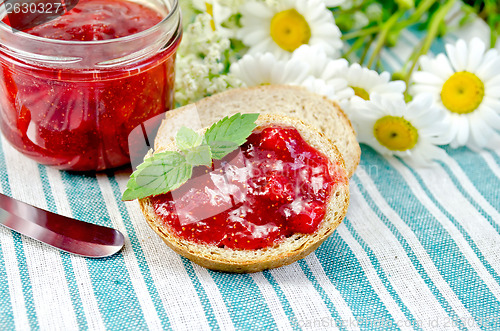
[166, 171]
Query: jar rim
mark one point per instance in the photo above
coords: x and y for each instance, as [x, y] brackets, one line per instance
[170, 16]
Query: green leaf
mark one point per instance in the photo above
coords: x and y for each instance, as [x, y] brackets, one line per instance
[166, 171]
[220, 149]
[200, 155]
[226, 135]
[187, 138]
[161, 173]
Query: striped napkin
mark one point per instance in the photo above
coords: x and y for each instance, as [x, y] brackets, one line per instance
[419, 249]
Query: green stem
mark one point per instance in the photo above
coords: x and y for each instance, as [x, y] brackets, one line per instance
[422, 8]
[365, 51]
[357, 45]
[361, 33]
[491, 9]
[382, 36]
[432, 33]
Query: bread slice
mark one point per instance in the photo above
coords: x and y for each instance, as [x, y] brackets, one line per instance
[288, 100]
[291, 249]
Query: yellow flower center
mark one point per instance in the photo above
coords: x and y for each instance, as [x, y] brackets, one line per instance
[290, 30]
[361, 92]
[395, 133]
[210, 11]
[462, 93]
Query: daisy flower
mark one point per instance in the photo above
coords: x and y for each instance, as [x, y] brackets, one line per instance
[466, 84]
[364, 83]
[283, 28]
[324, 70]
[411, 131]
[265, 69]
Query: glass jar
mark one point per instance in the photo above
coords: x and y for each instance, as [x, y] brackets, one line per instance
[72, 104]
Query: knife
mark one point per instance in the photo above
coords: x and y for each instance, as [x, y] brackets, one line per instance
[65, 233]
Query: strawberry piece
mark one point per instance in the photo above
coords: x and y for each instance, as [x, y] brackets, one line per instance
[307, 221]
[280, 189]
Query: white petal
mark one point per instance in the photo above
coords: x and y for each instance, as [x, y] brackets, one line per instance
[458, 55]
[427, 78]
[463, 126]
[476, 51]
[256, 9]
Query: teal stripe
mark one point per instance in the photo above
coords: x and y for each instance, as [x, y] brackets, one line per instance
[207, 307]
[287, 308]
[495, 157]
[244, 301]
[436, 47]
[409, 252]
[25, 282]
[6, 312]
[19, 251]
[471, 243]
[333, 311]
[442, 249]
[346, 274]
[139, 255]
[113, 288]
[66, 260]
[381, 274]
[202, 295]
[481, 175]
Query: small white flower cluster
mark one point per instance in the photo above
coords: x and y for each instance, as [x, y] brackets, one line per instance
[200, 62]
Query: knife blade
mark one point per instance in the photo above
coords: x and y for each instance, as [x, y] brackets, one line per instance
[65, 233]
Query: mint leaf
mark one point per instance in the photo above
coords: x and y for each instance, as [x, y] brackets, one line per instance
[187, 138]
[222, 148]
[166, 171]
[200, 155]
[161, 173]
[226, 135]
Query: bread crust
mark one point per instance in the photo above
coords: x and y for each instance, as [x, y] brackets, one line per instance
[288, 251]
[292, 101]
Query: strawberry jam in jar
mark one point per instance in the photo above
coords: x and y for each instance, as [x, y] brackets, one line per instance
[74, 87]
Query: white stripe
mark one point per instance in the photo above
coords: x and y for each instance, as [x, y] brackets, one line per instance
[80, 269]
[272, 300]
[14, 280]
[419, 251]
[471, 189]
[410, 39]
[306, 303]
[175, 288]
[400, 271]
[131, 263]
[484, 235]
[338, 301]
[13, 276]
[53, 307]
[390, 59]
[372, 276]
[454, 233]
[490, 161]
[215, 298]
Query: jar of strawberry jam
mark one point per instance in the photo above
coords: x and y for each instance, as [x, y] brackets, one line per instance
[74, 87]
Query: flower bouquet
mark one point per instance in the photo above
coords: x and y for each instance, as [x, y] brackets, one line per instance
[445, 91]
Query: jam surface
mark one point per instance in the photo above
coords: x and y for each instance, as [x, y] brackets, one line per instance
[274, 186]
[98, 20]
[76, 119]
